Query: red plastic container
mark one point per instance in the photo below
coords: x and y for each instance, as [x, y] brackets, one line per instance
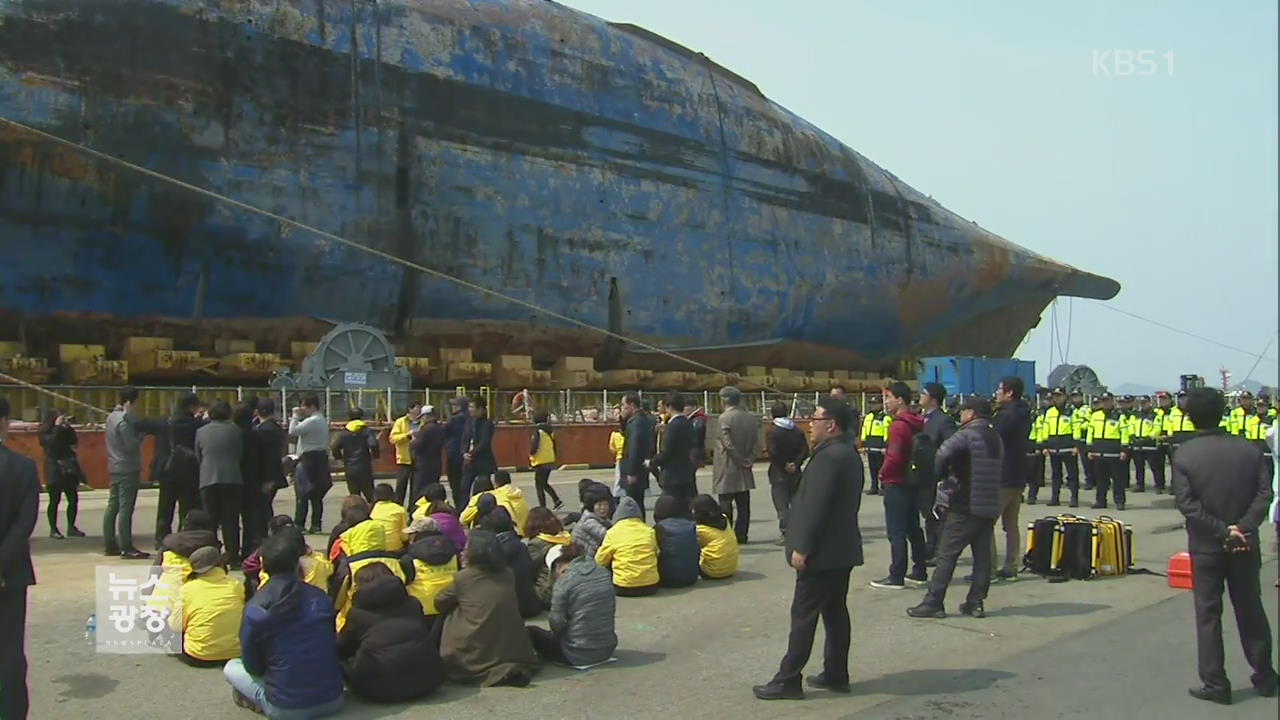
[1180, 571]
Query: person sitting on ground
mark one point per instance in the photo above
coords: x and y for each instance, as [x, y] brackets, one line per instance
[386, 648]
[289, 658]
[434, 506]
[630, 550]
[678, 553]
[198, 530]
[355, 510]
[390, 515]
[719, 557]
[430, 563]
[583, 608]
[209, 615]
[484, 639]
[545, 532]
[508, 496]
[363, 544]
[432, 502]
[313, 564]
[588, 487]
[516, 556]
[597, 518]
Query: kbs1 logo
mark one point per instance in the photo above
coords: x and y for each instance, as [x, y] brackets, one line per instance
[1132, 63]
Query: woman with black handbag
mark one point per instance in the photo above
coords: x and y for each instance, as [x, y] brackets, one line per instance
[62, 475]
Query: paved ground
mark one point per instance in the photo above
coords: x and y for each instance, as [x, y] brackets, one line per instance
[1114, 646]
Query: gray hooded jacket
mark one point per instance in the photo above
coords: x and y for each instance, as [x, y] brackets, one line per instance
[589, 533]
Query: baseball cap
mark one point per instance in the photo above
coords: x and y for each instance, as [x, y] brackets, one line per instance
[1246, 394]
[1162, 393]
[1106, 396]
[1182, 393]
[1059, 391]
[1127, 398]
[204, 559]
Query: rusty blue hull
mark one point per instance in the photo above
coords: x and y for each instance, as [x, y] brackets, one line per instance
[587, 167]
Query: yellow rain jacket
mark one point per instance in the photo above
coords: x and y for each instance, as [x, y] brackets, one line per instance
[401, 436]
[509, 497]
[365, 543]
[316, 571]
[394, 519]
[719, 556]
[630, 548]
[209, 619]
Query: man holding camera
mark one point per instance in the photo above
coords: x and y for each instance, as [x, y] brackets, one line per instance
[1221, 485]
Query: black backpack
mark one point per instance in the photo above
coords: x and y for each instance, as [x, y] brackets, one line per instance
[923, 452]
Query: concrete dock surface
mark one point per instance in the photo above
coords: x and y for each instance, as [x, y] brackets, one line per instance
[1115, 647]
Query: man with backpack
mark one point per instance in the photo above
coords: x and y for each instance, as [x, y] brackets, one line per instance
[971, 499]
[900, 487]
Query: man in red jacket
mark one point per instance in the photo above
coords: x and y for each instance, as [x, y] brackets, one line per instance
[901, 504]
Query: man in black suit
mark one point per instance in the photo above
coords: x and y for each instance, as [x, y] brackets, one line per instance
[19, 496]
[641, 434]
[1221, 485]
[823, 546]
[675, 460]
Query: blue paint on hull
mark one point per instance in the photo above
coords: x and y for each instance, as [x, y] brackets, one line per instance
[516, 144]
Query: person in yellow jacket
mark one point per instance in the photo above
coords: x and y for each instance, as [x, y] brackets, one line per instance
[209, 615]
[1080, 415]
[1146, 430]
[314, 566]
[1178, 426]
[508, 496]
[402, 432]
[542, 458]
[1057, 438]
[873, 439]
[390, 515]
[630, 550]
[719, 554]
[1239, 415]
[364, 543]
[617, 445]
[430, 563]
[1108, 439]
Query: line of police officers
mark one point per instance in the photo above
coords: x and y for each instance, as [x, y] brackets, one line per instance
[1111, 441]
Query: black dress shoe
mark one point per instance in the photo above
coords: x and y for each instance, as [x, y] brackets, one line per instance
[75, 532]
[111, 552]
[1053, 503]
[820, 682]
[1268, 689]
[924, 610]
[135, 555]
[1120, 506]
[1222, 697]
[974, 610]
[778, 691]
[1098, 506]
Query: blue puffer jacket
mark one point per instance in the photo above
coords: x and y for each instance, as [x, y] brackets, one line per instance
[678, 552]
[288, 637]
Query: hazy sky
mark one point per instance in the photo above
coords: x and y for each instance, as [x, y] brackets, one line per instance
[997, 111]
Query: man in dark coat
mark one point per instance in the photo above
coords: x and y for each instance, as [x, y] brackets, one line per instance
[939, 426]
[273, 441]
[971, 499]
[675, 460]
[356, 447]
[180, 476]
[824, 544]
[1222, 487]
[454, 430]
[1013, 422]
[641, 436]
[387, 652]
[788, 447]
[428, 450]
[478, 460]
[19, 498]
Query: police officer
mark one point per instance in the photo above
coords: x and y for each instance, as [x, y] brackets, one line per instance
[1035, 454]
[1125, 403]
[874, 439]
[1178, 425]
[1080, 414]
[1146, 431]
[1057, 435]
[1108, 439]
[1240, 414]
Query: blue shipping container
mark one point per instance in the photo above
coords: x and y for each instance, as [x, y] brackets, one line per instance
[975, 375]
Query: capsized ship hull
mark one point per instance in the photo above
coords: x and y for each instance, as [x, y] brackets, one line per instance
[590, 168]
